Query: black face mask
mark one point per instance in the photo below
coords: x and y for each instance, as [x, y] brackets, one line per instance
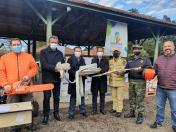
[116, 55]
[137, 53]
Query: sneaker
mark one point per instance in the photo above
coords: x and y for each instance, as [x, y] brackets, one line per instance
[155, 125]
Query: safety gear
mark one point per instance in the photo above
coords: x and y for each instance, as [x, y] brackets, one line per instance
[116, 54]
[23, 65]
[137, 53]
[116, 64]
[53, 46]
[77, 54]
[16, 49]
[140, 118]
[99, 54]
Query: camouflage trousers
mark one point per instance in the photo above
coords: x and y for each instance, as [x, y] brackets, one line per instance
[137, 89]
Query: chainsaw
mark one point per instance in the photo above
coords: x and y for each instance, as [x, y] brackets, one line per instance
[23, 88]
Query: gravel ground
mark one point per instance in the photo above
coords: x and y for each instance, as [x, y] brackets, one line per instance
[104, 123]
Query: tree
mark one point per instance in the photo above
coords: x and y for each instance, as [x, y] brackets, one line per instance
[133, 10]
[166, 18]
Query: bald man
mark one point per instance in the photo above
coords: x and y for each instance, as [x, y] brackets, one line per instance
[165, 68]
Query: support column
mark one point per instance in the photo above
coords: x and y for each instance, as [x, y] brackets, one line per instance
[157, 39]
[34, 48]
[29, 46]
[48, 24]
[88, 50]
[156, 36]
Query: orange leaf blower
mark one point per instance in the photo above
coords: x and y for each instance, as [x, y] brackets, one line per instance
[149, 73]
[19, 88]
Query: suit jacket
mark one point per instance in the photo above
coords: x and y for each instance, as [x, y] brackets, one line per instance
[74, 66]
[100, 82]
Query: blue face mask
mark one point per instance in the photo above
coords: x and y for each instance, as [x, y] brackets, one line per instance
[16, 49]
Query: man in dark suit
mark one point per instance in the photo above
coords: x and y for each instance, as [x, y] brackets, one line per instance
[75, 61]
[49, 57]
[99, 83]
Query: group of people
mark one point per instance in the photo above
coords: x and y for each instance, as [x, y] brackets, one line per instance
[20, 66]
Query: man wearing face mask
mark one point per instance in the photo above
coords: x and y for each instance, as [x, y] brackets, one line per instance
[166, 86]
[117, 82]
[17, 66]
[75, 61]
[137, 83]
[49, 58]
[99, 83]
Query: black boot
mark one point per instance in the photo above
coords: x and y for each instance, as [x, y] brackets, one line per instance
[140, 118]
[94, 112]
[174, 129]
[57, 117]
[131, 114]
[112, 111]
[45, 120]
[103, 112]
[118, 114]
[71, 116]
[84, 114]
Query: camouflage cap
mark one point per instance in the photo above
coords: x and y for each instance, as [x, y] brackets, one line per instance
[137, 46]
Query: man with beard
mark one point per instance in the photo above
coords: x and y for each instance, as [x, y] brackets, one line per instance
[137, 83]
[166, 70]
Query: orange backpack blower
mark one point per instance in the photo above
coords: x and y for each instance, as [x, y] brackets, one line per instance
[149, 73]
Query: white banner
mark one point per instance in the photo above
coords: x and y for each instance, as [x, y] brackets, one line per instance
[116, 37]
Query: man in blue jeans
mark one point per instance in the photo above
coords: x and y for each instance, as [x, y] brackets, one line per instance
[75, 61]
[165, 68]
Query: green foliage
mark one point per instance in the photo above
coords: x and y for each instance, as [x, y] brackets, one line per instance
[149, 45]
[133, 10]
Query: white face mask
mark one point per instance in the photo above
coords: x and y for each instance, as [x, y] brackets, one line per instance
[77, 54]
[53, 46]
[99, 54]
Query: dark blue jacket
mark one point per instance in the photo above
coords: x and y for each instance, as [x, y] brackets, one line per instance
[74, 64]
[100, 83]
[48, 60]
[139, 61]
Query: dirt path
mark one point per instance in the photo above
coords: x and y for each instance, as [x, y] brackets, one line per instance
[105, 123]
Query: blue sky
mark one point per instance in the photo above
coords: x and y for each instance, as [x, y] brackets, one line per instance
[156, 8]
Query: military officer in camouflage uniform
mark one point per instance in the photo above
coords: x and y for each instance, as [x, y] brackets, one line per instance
[137, 83]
